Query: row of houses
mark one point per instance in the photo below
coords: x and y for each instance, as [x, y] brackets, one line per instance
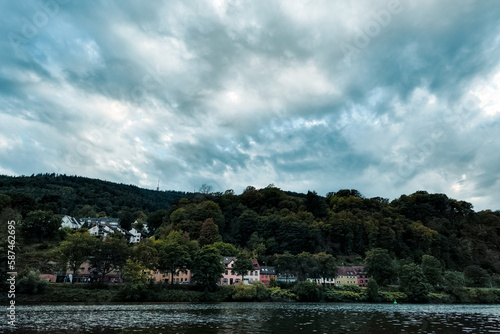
[346, 275]
[103, 226]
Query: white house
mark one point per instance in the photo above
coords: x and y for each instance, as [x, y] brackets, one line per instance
[71, 222]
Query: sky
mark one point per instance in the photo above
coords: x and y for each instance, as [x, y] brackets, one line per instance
[386, 97]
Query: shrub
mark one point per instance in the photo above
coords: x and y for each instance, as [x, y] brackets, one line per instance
[390, 296]
[339, 295]
[255, 291]
[307, 291]
[30, 283]
[279, 294]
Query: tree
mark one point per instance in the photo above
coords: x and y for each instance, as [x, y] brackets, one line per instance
[476, 276]
[243, 264]
[225, 249]
[207, 268]
[209, 233]
[256, 244]
[307, 265]
[76, 249]
[146, 253]
[126, 219]
[156, 219]
[173, 258]
[41, 225]
[136, 280]
[433, 270]
[286, 264]
[413, 283]
[110, 254]
[372, 290]
[327, 267]
[379, 265]
[87, 211]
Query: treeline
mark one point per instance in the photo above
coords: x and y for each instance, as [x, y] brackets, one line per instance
[63, 194]
[270, 223]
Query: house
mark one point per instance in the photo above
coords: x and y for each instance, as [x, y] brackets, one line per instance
[266, 273]
[114, 222]
[230, 277]
[101, 230]
[351, 275]
[287, 277]
[71, 222]
[253, 275]
[136, 235]
[323, 281]
[179, 278]
[84, 275]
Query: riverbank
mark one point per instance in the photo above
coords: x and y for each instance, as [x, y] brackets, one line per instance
[86, 293]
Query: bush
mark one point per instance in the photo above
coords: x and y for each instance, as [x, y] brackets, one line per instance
[255, 291]
[30, 283]
[340, 295]
[279, 294]
[391, 296]
[307, 291]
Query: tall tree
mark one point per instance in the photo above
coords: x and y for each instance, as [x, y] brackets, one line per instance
[243, 264]
[209, 233]
[307, 265]
[433, 270]
[146, 253]
[286, 264]
[77, 248]
[380, 266]
[207, 268]
[41, 225]
[175, 253]
[413, 282]
[110, 254]
[327, 267]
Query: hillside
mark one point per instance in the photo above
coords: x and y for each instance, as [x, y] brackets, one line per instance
[271, 221]
[67, 194]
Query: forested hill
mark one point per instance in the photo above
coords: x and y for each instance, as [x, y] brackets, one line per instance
[270, 221]
[69, 194]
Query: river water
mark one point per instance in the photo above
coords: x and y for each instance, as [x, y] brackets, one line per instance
[256, 318]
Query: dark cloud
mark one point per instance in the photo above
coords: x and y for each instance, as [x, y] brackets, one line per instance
[384, 96]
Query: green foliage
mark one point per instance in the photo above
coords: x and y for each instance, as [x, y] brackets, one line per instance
[433, 270]
[207, 268]
[136, 282]
[76, 249]
[476, 276]
[279, 294]
[175, 254]
[30, 283]
[109, 254]
[146, 253]
[338, 295]
[209, 233]
[391, 296]
[413, 283]
[256, 291]
[372, 290]
[380, 266]
[40, 225]
[226, 249]
[307, 291]
[243, 264]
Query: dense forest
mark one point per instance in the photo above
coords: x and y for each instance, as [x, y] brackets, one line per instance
[268, 222]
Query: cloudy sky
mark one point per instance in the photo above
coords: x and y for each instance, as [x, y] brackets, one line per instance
[386, 97]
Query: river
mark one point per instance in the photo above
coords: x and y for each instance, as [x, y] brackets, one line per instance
[256, 318]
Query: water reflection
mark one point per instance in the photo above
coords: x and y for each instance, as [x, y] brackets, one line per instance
[258, 318]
